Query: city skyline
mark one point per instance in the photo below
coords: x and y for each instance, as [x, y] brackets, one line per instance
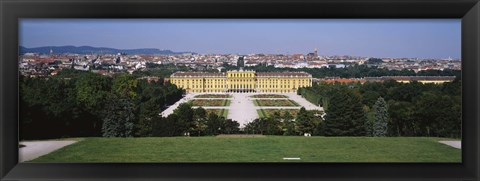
[370, 38]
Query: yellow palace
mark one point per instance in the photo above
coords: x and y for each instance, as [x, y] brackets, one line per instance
[241, 81]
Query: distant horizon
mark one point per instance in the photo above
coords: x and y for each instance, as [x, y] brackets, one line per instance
[305, 53]
[432, 38]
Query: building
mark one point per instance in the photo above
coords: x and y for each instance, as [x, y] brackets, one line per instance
[241, 81]
[400, 79]
[421, 79]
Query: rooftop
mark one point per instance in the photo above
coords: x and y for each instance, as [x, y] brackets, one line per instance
[258, 74]
[283, 74]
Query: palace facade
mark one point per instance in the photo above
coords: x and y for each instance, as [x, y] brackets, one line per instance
[241, 81]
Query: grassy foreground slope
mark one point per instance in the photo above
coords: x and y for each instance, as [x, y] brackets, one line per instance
[256, 149]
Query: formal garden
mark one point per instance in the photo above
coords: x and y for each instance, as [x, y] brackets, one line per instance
[275, 102]
[269, 96]
[213, 96]
[265, 113]
[210, 102]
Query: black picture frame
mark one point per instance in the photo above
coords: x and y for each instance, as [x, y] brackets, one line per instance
[12, 10]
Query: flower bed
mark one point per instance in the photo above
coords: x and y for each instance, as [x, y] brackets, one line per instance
[268, 96]
[219, 112]
[213, 96]
[206, 102]
[266, 102]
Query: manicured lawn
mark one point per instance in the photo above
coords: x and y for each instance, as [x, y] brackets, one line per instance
[219, 112]
[213, 96]
[273, 102]
[256, 149]
[261, 113]
[269, 112]
[206, 102]
[268, 96]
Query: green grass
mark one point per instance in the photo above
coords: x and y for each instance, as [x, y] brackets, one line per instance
[225, 113]
[261, 113]
[256, 149]
[294, 103]
[227, 102]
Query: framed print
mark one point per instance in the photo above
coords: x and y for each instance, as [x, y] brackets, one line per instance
[322, 90]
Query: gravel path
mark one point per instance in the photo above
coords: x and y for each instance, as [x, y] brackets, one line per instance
[303, 102]
[170, 109]
[242, 109]
[455, 144]
[35, 149]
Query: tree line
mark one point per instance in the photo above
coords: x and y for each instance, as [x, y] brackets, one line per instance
[372, 109]
[353, 71]
[388, 108]
[306, 121]
[75, 103]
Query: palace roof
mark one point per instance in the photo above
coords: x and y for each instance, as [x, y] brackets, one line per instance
[258, 74]
[197, 74]
[283, 74]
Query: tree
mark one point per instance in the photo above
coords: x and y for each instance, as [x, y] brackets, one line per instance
[165, 126]
[46, 104]
[402, 122]
[125, 85]
[304, 122]
[370, 97]
[200, 118]
[148, 111]
[229, 126]
[214, 124]
[185, 121]
[289, 124]
[91, 91]
[345, 115]
[405, 92]
[370, 120]
[119, 118]
[438, 115]
[356, 115]
[267, 126]
[75, 103]
[380, 125]
[272, 125]
[254, 127]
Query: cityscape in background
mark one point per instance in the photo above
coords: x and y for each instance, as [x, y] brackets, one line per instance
[108, 46]
[45, 64]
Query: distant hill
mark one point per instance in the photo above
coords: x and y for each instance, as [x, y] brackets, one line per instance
[93, 50]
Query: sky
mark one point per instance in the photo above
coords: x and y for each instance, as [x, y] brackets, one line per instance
[422, 38]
